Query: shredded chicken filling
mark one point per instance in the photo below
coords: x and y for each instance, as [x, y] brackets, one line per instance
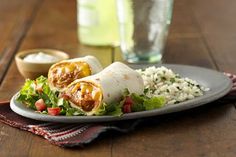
[65, 73]
[85, 95]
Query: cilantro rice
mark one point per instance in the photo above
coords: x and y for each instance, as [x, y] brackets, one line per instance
[161, 81]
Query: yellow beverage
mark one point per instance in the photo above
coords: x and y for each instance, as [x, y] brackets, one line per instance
[97, 22]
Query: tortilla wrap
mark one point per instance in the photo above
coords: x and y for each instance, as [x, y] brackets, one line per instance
[61, 74]
[106, 86]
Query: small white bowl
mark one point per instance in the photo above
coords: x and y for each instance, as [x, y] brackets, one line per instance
[33, 70]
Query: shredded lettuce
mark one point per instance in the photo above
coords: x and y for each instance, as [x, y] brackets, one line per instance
[142, 102]
[28, 95]
[154, 103]
[113, 109]
[34, 90]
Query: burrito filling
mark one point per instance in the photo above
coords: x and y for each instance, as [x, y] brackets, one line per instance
[84, 95]
[65, 73]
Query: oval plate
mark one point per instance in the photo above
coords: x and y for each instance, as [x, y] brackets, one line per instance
[218, 83]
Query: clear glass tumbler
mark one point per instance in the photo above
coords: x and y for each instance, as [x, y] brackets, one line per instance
[143, 26]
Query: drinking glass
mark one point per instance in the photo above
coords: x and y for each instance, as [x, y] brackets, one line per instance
[143, 28]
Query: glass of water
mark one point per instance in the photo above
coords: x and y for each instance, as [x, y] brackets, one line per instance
[143, 27]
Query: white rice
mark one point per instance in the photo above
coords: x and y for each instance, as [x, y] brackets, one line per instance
[161, 81]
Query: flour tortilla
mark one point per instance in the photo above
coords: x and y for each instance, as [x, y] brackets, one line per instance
[112, 81]
[93, 63]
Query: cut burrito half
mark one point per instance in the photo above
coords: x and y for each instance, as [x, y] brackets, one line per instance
[89, 93]
[61, 74]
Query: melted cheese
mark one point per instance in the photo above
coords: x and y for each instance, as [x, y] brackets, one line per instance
[63, 73]
[85, 95]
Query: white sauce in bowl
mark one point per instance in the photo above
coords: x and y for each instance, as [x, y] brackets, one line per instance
[40, 58]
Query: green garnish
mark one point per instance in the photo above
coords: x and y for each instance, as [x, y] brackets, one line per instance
[33, 90]
[144, 103]
[113, 109]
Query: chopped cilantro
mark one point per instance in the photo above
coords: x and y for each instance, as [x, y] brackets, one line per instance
[172, 80]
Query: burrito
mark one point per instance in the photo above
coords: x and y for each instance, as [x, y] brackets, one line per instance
[89, 93]
[61, 74]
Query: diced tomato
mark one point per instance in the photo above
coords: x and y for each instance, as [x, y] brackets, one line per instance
[127, 108]
[54, 111]
[127, 104]
[40, 105]
[128, 100]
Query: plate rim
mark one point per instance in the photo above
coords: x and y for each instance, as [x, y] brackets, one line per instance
[198, 101]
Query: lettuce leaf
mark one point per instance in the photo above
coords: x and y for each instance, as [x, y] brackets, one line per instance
[142, 102]
[34, 90]
[154, 103]
[113, 109]
[73, 112]
[28, 95]
[137, 102]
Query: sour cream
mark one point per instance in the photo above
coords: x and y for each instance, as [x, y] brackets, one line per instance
[40, 58]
